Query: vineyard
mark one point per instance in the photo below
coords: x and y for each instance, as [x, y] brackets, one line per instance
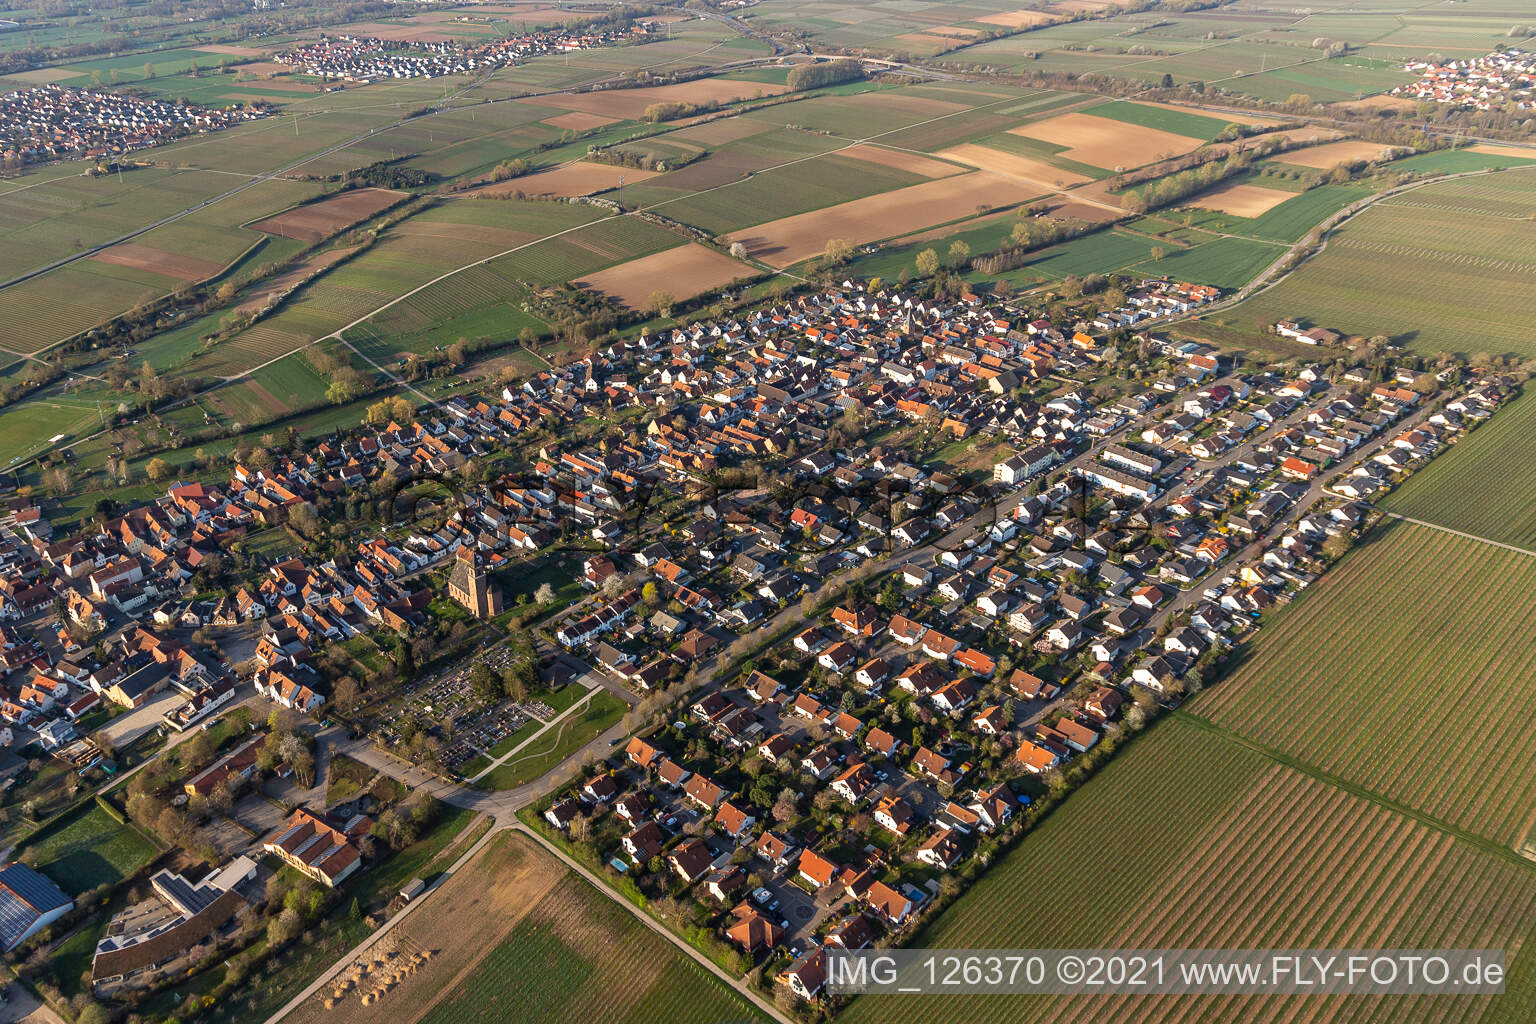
[1426, 700]
[579, 957]
[1193, 839]
[1485, 486]
[1442, 268]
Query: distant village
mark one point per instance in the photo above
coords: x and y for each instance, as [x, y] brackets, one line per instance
[985, 545]
[362, 60]
[1504, 77]
[54, 122]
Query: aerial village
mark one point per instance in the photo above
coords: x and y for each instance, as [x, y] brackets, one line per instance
[54, 122]
[1488, 82]
[880, 574]
[362, 60]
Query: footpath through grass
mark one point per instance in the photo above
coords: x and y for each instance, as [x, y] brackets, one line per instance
[600, 714]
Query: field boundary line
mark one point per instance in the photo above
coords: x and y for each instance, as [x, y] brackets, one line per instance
[1460, 533]
[1354, 789]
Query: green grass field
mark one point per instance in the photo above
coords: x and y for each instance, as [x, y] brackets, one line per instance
[88, 849]
[1197, 126]
[561, 741]
[1439, 268]
[1224, 262]
[1485, 485]
[579, 957]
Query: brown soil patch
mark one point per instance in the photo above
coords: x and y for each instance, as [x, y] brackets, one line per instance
[631, 103]
[1520, 152]
[901, 211]
[581, 178]
[474, 911]
[1332, 154]
[1016, 19]
[144, 257]
[316, 221]
[1102, 142]
[44, 76]
[1026, 169]
[1381, 101]
[578, 121]
[957, 30]
[1079, 6]
[231, 50]
[1085, 212]
[682, 272]
[912, 163]
[1241, 200]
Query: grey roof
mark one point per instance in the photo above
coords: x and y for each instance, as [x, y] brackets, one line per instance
[25, 896]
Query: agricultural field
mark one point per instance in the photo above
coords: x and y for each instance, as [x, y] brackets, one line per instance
[1223, 262]
[1108, 142]
[1209, 842]
[89, 848]
[1484, 486]
[1261, 50]
[782, 243]
[47, 309]
[430, 244]
[682, 273]
[514, 932]
[1444, 267]
[315, 221]
[577, 956]
[1434, 675]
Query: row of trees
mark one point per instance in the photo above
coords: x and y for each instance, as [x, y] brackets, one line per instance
[1184, 184]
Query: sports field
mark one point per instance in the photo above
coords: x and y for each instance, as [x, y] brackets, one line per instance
[1486, 485]
[1446, 267]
